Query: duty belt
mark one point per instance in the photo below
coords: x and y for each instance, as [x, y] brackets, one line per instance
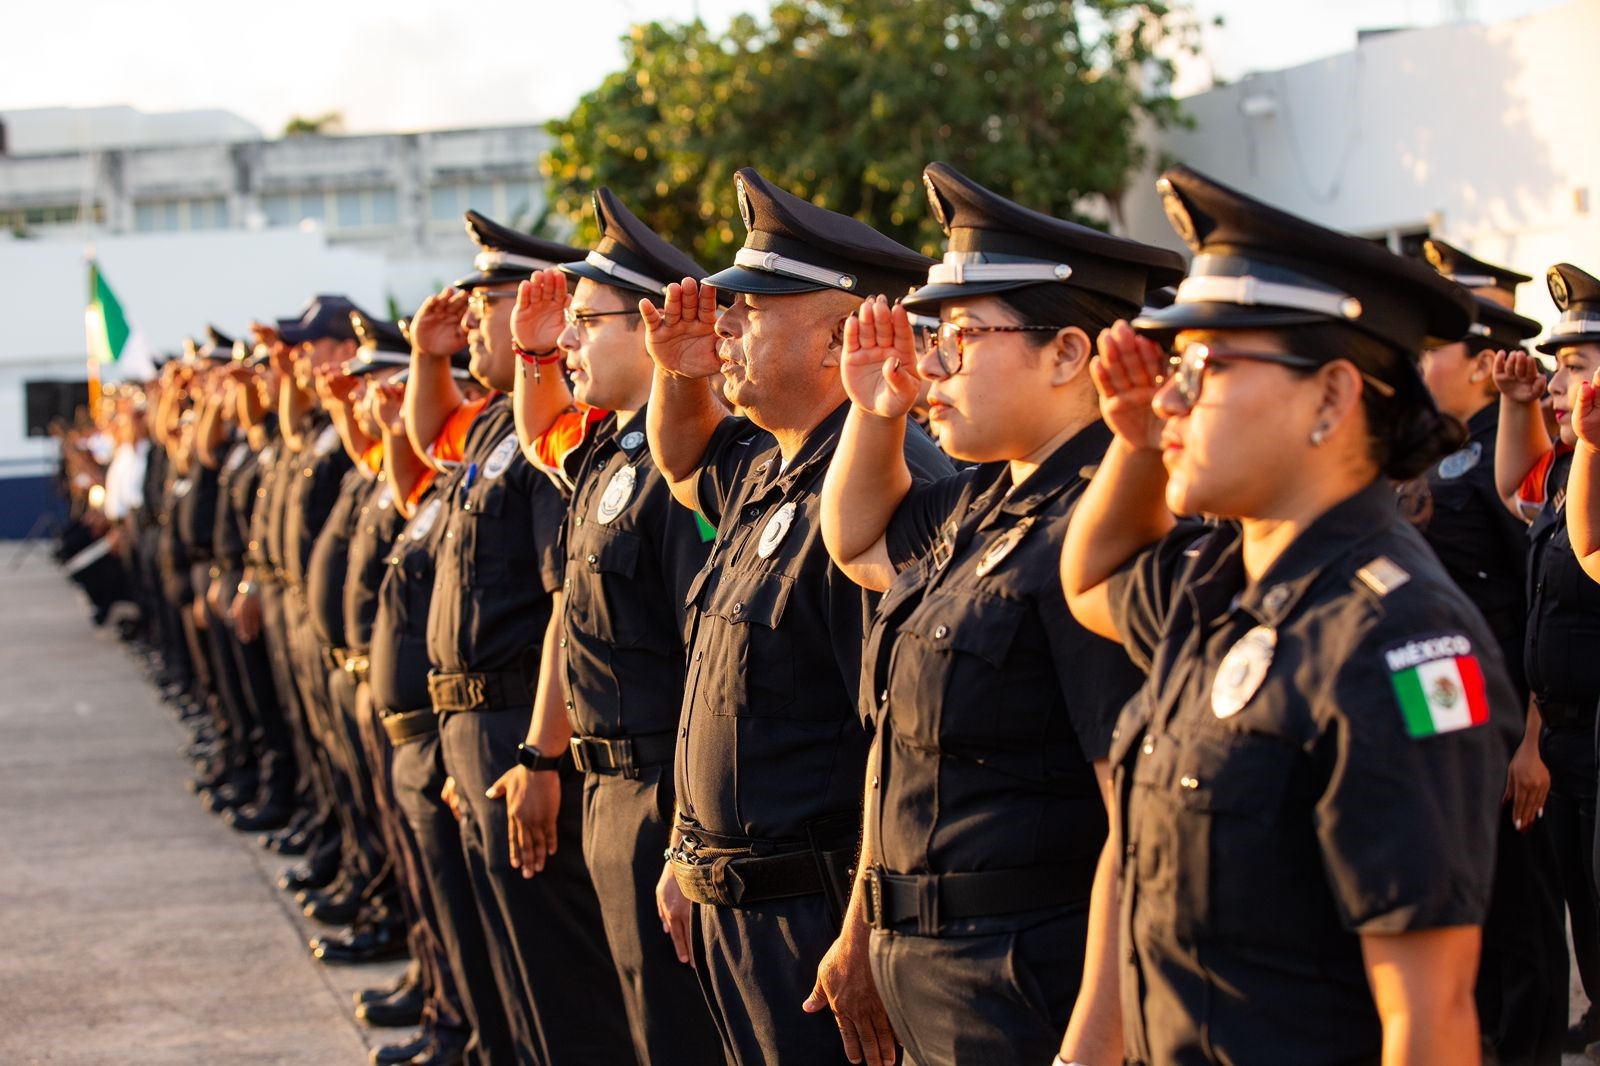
[623, 755]
[730, 881]
[929, 900]
[452, 692]
[408, 727]
[1558, 715]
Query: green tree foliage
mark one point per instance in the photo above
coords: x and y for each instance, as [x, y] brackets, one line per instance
[317, 125]
[845, 101]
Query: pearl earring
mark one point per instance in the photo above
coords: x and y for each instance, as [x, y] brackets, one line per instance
[1319, 435]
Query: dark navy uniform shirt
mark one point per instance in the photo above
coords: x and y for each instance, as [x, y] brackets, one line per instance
[311, 489]
[399, 663]
[769, 738]
[196, 510]
[1315, 756]
[992, 701]
[376, 523]
[1563, 609]
[631, 551]
[236, 497]
[1483, 546]
[498, 561]
[329, 565]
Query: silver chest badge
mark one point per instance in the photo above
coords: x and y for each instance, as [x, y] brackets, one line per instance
[1457, 463]
[501, 457]
[619, 490]
[777, 528]
[1003, 547]
[423, 522]
[1242, 671]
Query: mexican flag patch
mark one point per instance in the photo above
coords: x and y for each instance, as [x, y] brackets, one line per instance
[1439, 685]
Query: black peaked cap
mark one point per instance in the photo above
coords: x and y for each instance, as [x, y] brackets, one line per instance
[1499, 327]
[1258, 267]
[1576, 294]
[630, 255]
[324, 317]
[506, 255]
[382, 345]
[1463, 269]
[988, 230]
[792, 246]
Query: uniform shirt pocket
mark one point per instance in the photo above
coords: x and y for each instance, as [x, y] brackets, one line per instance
[945, 678]
[487, 549]
[752, 654]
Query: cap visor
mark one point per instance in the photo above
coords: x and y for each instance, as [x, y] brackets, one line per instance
[1169, 321]
[1552, 345]
[494, 277]
[760, 282]
[926, 300]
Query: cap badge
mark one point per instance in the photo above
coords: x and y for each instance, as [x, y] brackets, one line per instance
[1435, 259]
[1000, 549]
[1242, 671]
[745, 211]
[1558, 288]
[1177, 214]
[936, 203]
[619, 490]
[776, 529]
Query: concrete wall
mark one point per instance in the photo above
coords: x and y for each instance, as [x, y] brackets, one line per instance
[1475, 133]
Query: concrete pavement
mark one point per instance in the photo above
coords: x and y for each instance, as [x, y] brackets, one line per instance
[134, 926]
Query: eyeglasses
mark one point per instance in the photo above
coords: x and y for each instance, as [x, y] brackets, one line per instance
[577, 319]
[480, 300]
[1187, 369]
[950, 346]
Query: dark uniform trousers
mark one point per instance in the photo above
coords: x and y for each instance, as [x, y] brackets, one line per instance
[271, 740]
[1522, 972]
[1568, 751]
[1026, 982]
[627, 825]
[549, 924]
[365, 843]
[275, 634]
[235, 706]
[311, 682]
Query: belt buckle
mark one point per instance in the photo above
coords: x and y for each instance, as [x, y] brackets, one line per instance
[476, 691]
[581, 762]
[874, 898]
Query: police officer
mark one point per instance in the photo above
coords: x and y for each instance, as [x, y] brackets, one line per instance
[1522, 978]
[770, 747]
[630, 552]
[496, 579]
[1307, 786]
[462, 1015]
[1563, 603]
[994, 709]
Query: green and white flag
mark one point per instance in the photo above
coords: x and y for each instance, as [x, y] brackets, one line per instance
[112, 341]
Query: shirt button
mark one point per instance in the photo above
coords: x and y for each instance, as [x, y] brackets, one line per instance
[874, 780]
[563, 642]
[738, 608]
[1189, 782]
[683, 732]
[593, 558]
[752, 513]
[1127, 853]
[697, 655]
[580, 520]
[566, 586]
[883, 697]
[1149, 745]
[569, 705]
[941, 632]
[1116, 733]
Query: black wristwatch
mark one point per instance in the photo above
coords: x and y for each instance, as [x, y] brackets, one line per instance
[532, 759]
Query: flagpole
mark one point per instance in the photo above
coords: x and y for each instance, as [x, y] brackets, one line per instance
[94, 358]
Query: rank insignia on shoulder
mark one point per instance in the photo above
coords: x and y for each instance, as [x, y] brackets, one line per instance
[1383, 575]
[1438, 683]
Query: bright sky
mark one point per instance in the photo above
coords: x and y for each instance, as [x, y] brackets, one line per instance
[410, 64]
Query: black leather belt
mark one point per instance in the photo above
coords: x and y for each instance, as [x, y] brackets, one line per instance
[928, 900]
[453, 692]
[730, 881]
[623, 755]
[408, 727]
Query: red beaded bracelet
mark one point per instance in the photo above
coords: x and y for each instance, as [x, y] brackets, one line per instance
[549, 355]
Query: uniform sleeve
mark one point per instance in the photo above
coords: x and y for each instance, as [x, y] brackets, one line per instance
[1530, 494]
[558, 451]
[451, 444]
[727, 458]
[917, 523]
[1096, 676]
[549, 514]
[1407, 820]
[1142, 592]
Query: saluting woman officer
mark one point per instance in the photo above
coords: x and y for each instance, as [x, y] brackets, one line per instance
[1308, 783]
[985, 820]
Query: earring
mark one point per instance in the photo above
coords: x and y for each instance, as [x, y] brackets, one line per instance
[1319, 435]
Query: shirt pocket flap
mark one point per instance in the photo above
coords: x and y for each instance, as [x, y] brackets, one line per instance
[1234, 772]
[759, 598]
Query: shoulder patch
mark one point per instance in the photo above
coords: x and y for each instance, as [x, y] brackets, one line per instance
[1438, 683]
[1383, 575]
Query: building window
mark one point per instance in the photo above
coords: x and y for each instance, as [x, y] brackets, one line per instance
[364, 208]
[292, 208]
[170, 216]
[22, 219]
[515, 203]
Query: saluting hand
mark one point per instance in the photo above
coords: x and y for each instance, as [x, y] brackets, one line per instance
[388, 407]
[1518, 377]
[1585, 412]
[436, 327]
[682, 336]
[1128, 372]
[879, 361]
[533, 801]
[537, 320]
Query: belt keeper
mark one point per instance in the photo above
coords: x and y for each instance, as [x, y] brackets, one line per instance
[928, 906]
